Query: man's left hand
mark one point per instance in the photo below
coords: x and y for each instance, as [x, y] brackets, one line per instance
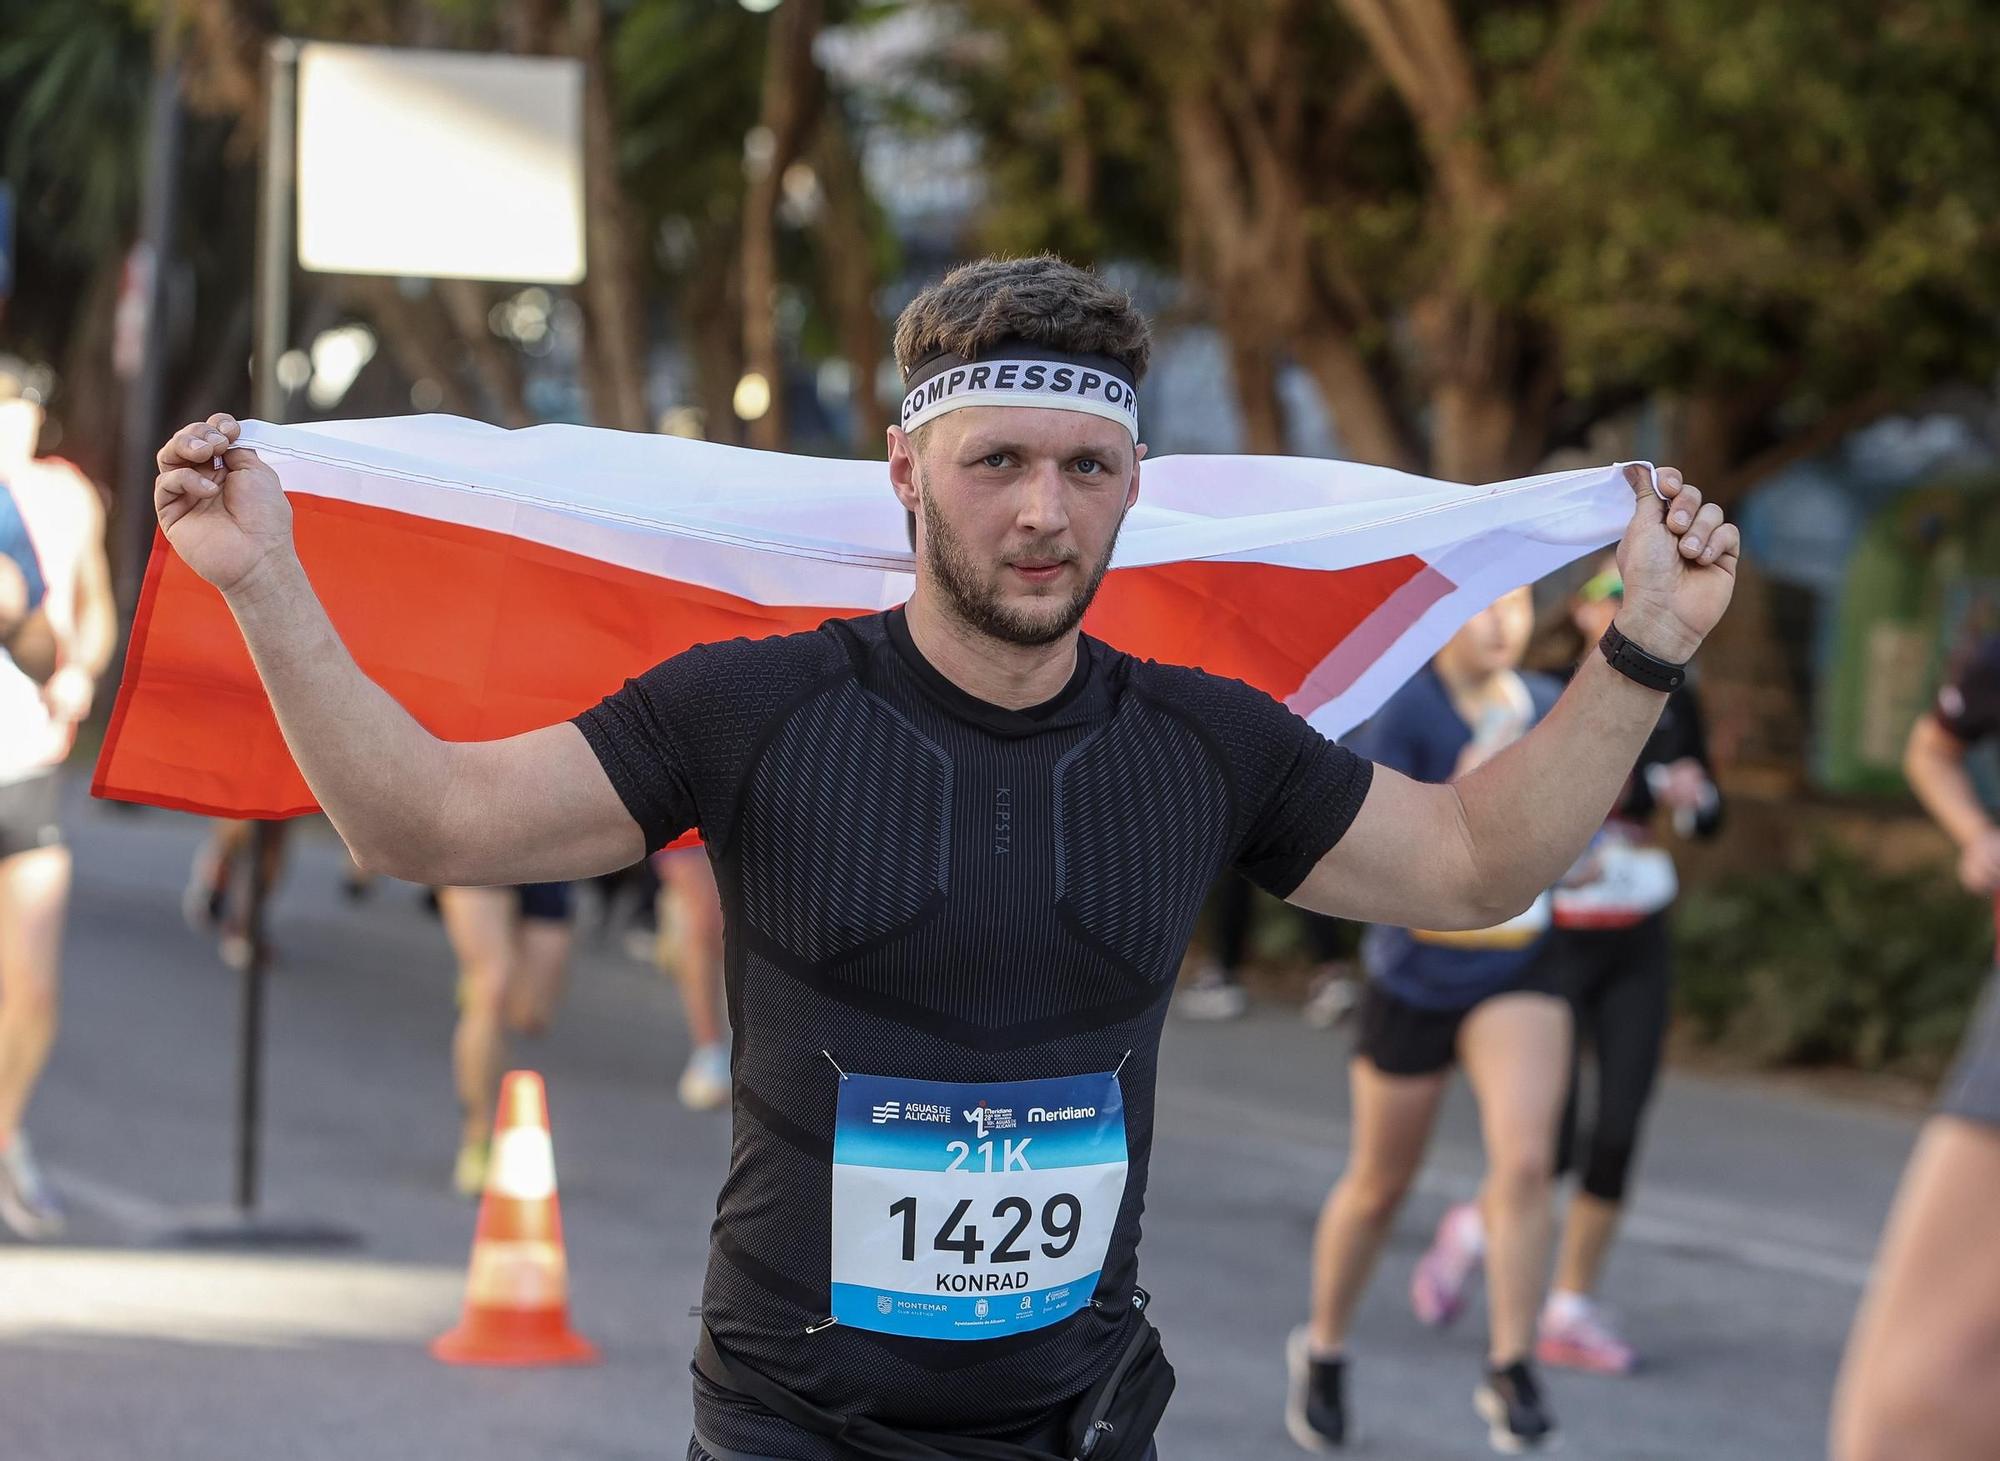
[1678, 560]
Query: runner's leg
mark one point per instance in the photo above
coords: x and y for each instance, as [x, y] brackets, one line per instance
[1922, 1373]
[480, 924]
[1216, 991]
[1628, 1027]
[1515, 1050]
[691, 946]
[34, 896]
[691, 941]
[541, 963]
[1393, 1117]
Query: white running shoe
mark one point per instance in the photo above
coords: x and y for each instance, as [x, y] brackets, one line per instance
[1212, 995]
[28, 1204]
[705, 1083]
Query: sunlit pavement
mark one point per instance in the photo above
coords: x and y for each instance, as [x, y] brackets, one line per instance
[1755, 1219]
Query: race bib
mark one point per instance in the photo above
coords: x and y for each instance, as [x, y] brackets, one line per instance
[969, 1211]
[1626, 884]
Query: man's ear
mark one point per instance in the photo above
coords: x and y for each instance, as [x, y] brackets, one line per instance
[1132, 492]
[903, 468]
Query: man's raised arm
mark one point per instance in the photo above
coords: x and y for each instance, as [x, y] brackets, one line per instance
[1477, 851]
[531, 808]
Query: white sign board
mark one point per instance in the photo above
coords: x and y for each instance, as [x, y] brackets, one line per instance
[440, 164]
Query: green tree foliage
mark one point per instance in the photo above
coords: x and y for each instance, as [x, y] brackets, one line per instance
[1484, 226]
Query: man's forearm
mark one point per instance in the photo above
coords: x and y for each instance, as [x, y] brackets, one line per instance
[378, 774]
[1531, 810]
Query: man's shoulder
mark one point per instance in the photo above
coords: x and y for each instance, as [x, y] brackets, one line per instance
[809, 653]
[1192, 689]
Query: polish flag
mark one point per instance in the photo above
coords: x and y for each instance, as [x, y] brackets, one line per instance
[494, 581]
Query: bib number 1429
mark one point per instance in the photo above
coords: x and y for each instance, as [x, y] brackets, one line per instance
[1055, 1235]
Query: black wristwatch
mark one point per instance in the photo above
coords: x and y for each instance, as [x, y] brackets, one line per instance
[1635, 664]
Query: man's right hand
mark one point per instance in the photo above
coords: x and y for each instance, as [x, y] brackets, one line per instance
[219, 504]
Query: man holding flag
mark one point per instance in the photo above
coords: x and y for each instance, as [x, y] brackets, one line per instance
[961, 847]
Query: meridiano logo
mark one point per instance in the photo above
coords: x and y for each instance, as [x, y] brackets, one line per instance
[1060, 1113]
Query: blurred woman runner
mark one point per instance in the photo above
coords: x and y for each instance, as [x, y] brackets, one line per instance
[1485, 1000]
[63, 519]
[512, 946]
[1613, 958]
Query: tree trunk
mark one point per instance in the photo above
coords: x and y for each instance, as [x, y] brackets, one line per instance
[848, 250]
[93, 397]
[498, 367]
[1364, 419]
[422, 341]
[791, 100]
[614, 306]
[1253, 372]
[713, 309]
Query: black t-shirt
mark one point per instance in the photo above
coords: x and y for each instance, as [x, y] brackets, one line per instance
[1968, 703]
[923, 885]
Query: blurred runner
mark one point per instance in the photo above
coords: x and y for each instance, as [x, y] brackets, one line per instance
[1216, 992]
[212, 901]
[1922, 1375]
[1613, 960]
[1613, 954]
[962, 847]
[512, 946]
[1485, 1000]
[24, 618]
[689, 949]
[64, 520]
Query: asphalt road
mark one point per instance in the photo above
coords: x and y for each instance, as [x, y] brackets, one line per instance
[1755, 1218]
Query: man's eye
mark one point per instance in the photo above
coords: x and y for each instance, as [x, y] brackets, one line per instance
[1088, 466]
[995, 460]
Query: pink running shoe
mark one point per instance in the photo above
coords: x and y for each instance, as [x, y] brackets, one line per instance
[1437, 1287]
[1575, 1335]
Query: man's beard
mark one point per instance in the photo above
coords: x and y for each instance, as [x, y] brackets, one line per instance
[978, 604]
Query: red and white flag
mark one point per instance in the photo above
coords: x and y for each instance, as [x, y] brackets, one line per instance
[494, 581]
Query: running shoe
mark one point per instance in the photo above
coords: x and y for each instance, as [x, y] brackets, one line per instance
[28, 1204]
[1332, 998]
[1517, 1418]
[468, 1173]
[1212, 995]
[1577, 1335]
[1316, 1399]
[203, 898]
[705, 1083]
[1437, 1287]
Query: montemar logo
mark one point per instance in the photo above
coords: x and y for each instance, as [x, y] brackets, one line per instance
[1060, 1113]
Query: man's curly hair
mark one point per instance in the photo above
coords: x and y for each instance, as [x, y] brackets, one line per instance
[1043, 300]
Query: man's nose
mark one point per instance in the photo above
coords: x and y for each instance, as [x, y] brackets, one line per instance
[1043, 507]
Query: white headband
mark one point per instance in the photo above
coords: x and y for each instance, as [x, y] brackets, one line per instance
[948, 383]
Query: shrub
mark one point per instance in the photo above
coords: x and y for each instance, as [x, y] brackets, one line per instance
[1836, 964]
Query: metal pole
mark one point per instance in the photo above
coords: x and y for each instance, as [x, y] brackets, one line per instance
[143, 396]
[274, 228]
[267, 401]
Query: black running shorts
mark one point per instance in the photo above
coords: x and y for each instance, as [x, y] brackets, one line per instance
[1400, 1038]
[28, 815]
[1972, 1090]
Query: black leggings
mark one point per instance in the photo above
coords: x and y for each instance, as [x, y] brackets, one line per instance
[1617, 981]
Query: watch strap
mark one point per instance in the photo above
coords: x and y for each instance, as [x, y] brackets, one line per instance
[1637, 665]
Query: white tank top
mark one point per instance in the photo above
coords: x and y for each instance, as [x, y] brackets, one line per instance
[61, 511]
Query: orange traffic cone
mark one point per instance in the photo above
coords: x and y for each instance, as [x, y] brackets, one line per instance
[517, 1293]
